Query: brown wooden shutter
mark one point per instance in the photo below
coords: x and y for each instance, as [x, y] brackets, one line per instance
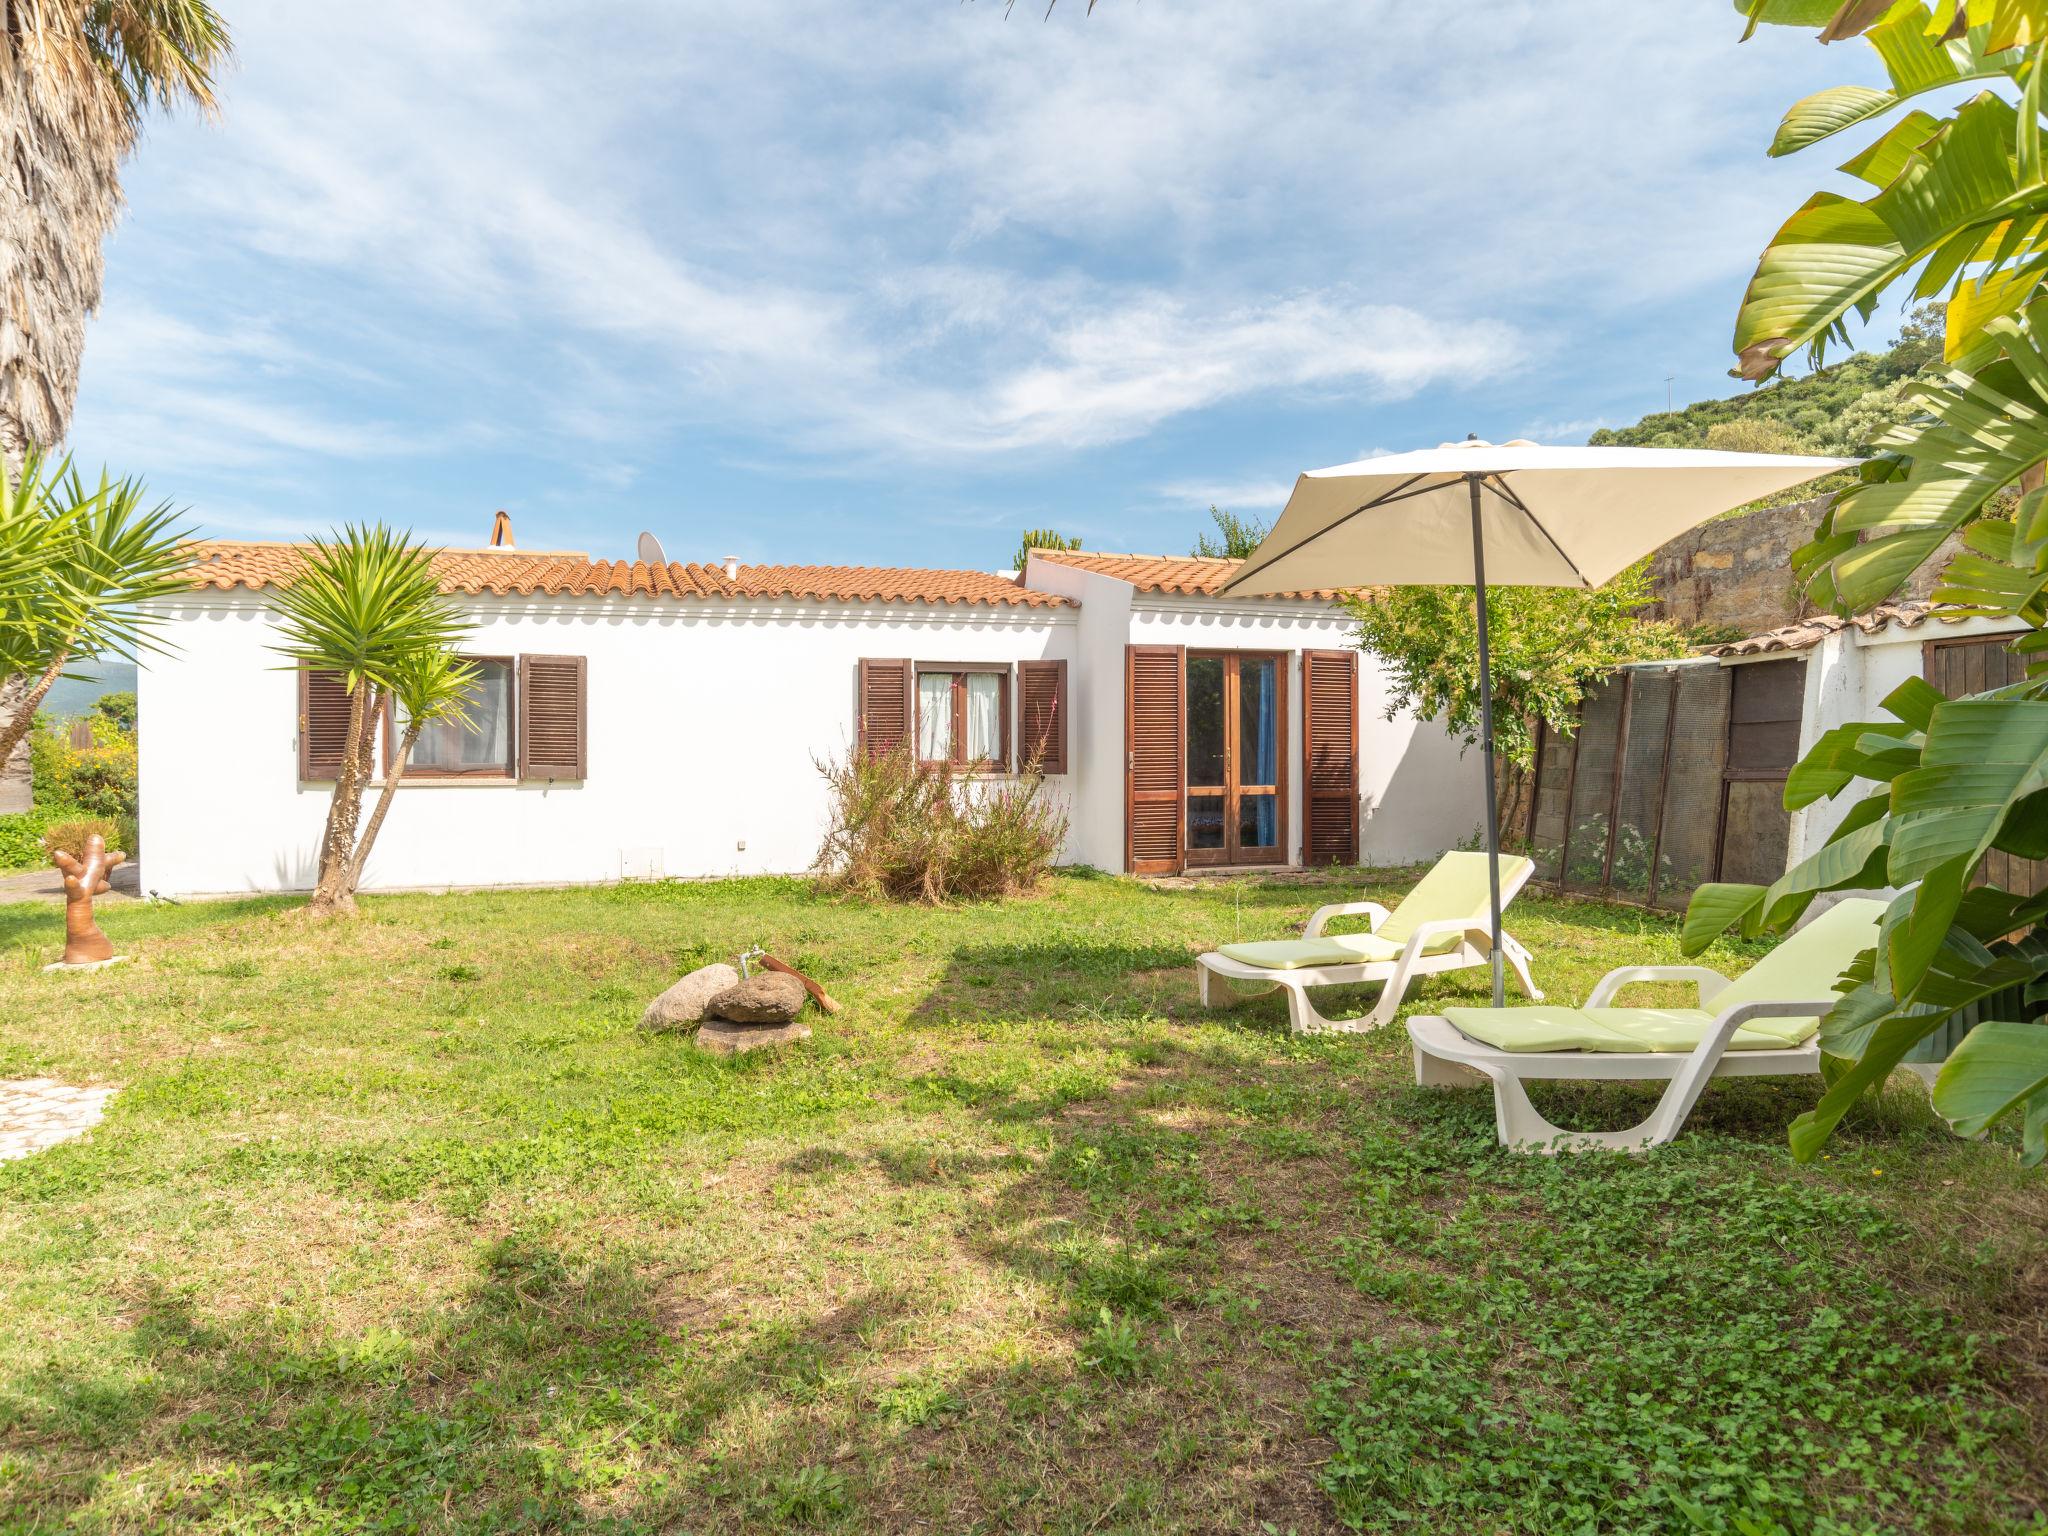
[887, 689]
[1042, 714]
[323, 724]
[1957, 669]
[550, 722]
[1155, 757]
[1329, 739]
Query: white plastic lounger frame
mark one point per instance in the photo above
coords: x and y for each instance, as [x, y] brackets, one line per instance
[1447, 1058]
[1225, 981]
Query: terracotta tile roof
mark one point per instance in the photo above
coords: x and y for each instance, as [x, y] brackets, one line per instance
[1189, 576]
[227, 563]
[1806, 633]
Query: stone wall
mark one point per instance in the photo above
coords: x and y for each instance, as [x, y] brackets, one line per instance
[14, 782]
[1736, 573]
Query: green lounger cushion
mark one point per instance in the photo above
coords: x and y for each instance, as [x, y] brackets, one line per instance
[1553, 1027]
[1331, 949]
[1809, 964]
[1455, 888]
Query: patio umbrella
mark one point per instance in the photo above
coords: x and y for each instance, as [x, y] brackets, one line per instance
[1513, 514]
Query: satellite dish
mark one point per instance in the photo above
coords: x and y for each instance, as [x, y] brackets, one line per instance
[650, 550]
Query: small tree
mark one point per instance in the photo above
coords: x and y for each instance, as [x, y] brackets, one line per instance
[1238, 537]
[1042, 538]
[368, 607]
[1547, 644]
[77, 569]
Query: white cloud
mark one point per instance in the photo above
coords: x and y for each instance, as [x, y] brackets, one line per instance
[899, 235]
[1231, 495]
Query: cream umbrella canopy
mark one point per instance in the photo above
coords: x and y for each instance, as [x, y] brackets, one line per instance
[1510, 514]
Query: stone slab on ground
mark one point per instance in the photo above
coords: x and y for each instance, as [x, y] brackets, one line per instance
[722, 1037]
[39, 1112]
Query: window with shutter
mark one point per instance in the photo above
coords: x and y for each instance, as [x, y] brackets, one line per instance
[1957, 669]
[1042, 715]
[1154, 766]
[323, 724]
[886, 707]
[550, 720]
[1329, 738]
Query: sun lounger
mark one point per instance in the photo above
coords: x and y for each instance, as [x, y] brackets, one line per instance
[1441, 925]
[1762, 1024]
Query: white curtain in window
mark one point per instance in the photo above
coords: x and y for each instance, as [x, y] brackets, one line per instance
[934, 715]
[486, 741]
[984, 716]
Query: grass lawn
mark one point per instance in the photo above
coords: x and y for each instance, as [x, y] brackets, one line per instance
[400, 1223]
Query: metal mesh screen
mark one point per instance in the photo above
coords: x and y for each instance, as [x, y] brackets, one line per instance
[1639, 809]
[1691, 812]
[1592, 799]
[1547, 816]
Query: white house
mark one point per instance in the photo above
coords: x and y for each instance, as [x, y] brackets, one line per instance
[643, 720]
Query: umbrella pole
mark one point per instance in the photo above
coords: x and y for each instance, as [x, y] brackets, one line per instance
[1486, 744]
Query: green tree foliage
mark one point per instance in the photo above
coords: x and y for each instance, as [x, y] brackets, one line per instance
[117, 709]
[1958, 212]
[1236, 536]
[1042, 538]
[1547, 644]
[79, 570]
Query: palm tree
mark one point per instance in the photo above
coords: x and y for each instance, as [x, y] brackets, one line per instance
[428, 687]
[76, 77]
[78, 570]
[368, 607]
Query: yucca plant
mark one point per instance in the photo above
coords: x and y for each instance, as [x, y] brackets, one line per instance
[1959, 211]
[367, 607]
[78, 571]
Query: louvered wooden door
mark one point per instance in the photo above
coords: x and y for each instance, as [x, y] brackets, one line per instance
[1154, 787]
[1329, 739]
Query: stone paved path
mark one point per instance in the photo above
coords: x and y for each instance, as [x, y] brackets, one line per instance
[39, 1112]
[32, 884]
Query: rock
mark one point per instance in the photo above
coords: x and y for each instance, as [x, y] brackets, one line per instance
[723, 1038]
[684, 1003]
[767, 998]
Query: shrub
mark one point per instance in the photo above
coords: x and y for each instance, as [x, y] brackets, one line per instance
[912, 831]
[21, 838]
[71, 836]
[100, 780]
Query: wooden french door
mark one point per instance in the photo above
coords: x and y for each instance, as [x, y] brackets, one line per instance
[1236, 703]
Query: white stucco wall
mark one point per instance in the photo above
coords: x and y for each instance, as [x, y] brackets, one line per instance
[703, 723]
[1848, 676]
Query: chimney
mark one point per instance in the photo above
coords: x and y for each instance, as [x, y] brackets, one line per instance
[732, 567]
[501, 530]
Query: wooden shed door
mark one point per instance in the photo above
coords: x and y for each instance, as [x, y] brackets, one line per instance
[1154, 788]
[1329, 740]
[1957, 669]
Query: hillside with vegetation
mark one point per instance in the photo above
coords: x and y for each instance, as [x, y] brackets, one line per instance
[1840, 410]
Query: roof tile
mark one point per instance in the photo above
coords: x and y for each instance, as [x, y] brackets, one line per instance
[225, 564]
[1189, 576]
[1805, 633]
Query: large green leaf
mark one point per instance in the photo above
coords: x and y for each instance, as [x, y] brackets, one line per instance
[1916, 61]
[1998, 1068]
[1950, 191]
[1714, 909]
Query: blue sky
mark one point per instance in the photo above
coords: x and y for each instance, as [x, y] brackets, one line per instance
[886, 281]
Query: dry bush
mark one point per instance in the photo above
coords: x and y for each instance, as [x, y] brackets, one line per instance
[911, 831]
[70, 836]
